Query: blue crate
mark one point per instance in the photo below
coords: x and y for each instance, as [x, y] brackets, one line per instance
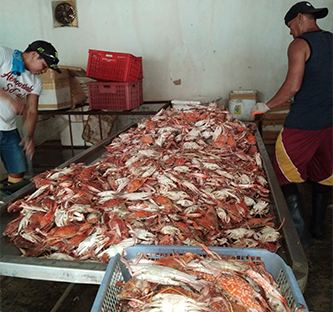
[106, 298]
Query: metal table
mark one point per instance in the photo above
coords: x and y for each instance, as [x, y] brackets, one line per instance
[101, 112]
[13, 264]
[291, 248]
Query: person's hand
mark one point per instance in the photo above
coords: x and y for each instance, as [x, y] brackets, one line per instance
[259, 108]
[28, 146]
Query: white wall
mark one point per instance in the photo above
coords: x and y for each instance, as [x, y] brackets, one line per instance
[212, 46]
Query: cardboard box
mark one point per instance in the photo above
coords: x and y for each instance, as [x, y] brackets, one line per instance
[186, 104]
[241, 102]
[243, 95]
[63, 90]
[56, 93]
[278, 113]
[272, 122]
[270, 130]
[77, 93]
[77, 129]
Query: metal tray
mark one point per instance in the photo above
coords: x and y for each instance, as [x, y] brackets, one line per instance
[13, 264]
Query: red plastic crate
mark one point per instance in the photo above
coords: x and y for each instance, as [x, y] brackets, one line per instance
[113, 66]
[114, 95]
[141, 68]
[140, 91]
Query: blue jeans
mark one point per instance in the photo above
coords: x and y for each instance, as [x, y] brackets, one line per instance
[11, 152]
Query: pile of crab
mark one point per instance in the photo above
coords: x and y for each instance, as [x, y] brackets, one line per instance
[178, 178]
[193, 282]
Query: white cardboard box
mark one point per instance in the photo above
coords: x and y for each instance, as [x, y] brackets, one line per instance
[55, 99]
[241, 102]
[77, 129]
[185, 104]
[56, 93]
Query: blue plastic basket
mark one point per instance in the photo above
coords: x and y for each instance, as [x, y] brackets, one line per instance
[106, 298]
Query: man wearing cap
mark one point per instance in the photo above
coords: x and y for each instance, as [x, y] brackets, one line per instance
[20, 87]
[303, 150]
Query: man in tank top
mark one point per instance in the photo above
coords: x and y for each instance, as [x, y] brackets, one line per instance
[303, 150]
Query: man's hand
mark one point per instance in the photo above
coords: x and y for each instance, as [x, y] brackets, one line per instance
[28, 146]
[259, 108]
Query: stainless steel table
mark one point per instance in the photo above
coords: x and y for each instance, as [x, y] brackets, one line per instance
[154, 107]
[13, 264]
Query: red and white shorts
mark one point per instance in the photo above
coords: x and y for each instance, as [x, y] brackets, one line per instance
[302, 155]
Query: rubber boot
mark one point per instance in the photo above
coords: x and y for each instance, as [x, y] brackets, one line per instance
[320, 195]
[294, 203]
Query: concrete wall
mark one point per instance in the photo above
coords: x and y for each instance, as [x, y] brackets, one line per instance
[209, 46]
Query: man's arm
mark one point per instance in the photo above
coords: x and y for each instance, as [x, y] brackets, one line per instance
[30, 117]
[298, 53]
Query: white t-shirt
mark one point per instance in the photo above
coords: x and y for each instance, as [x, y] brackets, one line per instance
[18, 87]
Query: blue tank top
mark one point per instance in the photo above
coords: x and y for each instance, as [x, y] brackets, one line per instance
[312, 106]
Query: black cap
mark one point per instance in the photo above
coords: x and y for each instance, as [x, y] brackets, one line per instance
[47, 52]
[304, 7]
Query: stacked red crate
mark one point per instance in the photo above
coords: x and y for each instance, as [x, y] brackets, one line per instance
[119, 80]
